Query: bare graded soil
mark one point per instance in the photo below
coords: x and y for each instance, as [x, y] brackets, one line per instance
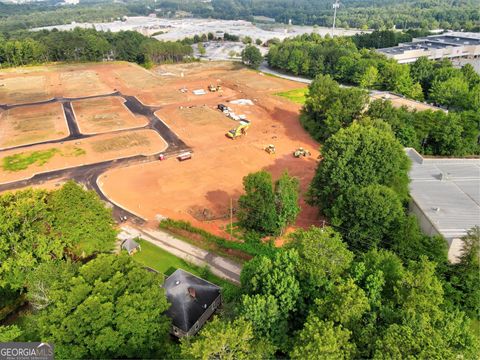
[32, 124]
[100, 115]
[200, 190]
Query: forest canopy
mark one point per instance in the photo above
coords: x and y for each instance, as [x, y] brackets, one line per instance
[385, 14]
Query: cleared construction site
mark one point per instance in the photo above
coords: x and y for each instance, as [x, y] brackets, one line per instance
[172, 142]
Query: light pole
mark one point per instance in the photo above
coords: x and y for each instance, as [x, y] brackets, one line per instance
[336, 5]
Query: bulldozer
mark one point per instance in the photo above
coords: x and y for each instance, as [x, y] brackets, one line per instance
[270, 149]
[238, 131]
[301, 152]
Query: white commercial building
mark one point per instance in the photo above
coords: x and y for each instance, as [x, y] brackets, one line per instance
[445, 197]
[451, 45]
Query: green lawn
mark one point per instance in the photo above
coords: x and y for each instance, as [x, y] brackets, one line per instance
[22, 161]
[297, 95]
[166, 263]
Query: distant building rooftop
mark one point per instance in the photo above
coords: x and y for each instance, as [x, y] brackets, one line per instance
[193, 300]
[445, 195]
[448, 45]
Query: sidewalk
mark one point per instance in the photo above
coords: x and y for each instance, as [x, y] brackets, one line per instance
[219, 266]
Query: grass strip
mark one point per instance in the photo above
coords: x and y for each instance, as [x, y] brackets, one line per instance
[22, 161]
[297, 96]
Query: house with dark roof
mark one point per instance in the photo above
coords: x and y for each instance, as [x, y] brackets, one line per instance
[193, 301]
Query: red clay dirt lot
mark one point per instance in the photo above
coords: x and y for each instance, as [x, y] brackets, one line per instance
[100, 115]
[32, 124]
[200, 190]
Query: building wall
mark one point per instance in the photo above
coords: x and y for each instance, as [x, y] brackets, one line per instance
[205, 316]
[435, 54]
[425, 224]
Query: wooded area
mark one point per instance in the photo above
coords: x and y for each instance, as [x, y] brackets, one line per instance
[385, 14]
[89, 45]
[405, 14]
[330, 107]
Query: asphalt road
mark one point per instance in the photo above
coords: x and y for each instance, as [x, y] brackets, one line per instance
[88, 174]
[220, 266]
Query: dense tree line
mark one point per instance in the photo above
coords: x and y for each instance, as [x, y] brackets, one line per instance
[55, 254]
[330, 107]
[36, 226]
[352, 13]
[386, 38]
[434, 81]
[406, 14]
[26, 16]
[316, 299]
[110, 307]
[347, 291]
[88, 45]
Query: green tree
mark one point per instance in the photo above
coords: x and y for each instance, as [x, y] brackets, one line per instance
[422, 328]
[464, 276]
[359, 155]
[48, 276]
[422, 72]
[110, 308]
[410, 243]
[344, 303]
[396, 77]
[328, 107]
[286, 200]
[267, 319]
[272, 294]
[276, 277]
[201, 49]
[257, 209]
[26, 239]
[369, 78]
[368, 216]
[321, 339]
[251, 56]
[453, 92]
[82, 220]
[324, 257]
[247, 40]
[9, 333]
[224, 340]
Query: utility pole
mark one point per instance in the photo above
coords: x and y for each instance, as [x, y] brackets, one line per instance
[336, 5]
[231, 218]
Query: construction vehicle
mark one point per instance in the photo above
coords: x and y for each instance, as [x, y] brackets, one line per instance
[270, 149]
[184, 156]
[301, 152]
[239, 130]
[213, 88]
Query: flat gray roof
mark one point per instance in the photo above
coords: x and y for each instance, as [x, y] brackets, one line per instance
[451, 39]
[447, 191]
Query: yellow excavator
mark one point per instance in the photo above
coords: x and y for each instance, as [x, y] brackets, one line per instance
[239, 130]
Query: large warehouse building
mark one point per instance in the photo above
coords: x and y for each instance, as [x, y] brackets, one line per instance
[445, 197]
[451, 45]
